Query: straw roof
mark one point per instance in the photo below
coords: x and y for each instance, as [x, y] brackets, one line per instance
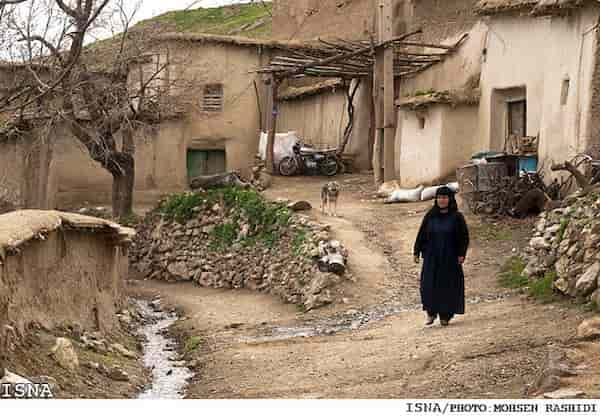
[453, 98]
[534, 7]
[293, 93]
[19, 227]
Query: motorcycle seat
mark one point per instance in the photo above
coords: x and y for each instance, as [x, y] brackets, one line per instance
[309, 150]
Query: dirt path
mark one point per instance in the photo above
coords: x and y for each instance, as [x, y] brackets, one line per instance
[375, 345]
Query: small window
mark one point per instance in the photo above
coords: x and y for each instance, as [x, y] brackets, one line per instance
[212, 99]
[421, 122]
[564, 92]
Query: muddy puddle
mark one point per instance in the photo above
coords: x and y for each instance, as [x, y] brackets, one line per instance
[169, 374]
[347, 321]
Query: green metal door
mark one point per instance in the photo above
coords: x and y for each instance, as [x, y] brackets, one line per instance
[205, 162]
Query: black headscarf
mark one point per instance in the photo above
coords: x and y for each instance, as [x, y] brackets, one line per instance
[452, 205]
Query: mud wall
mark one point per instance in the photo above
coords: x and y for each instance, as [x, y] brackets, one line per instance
[321, 120]
[73, 276]
[309, 19]
[27, 177]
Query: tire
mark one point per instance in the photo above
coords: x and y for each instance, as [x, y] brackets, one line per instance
[288, 166]
[329, 167]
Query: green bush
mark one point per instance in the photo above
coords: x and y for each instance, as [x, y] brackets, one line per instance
[564, 223]
[179, 207]
[542, 290]
[511, 274]
[266, 220]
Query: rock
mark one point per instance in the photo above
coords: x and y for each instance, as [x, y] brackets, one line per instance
[300, 206]
[588, 282]
[561, 285]
[12, 378]
[65, 355]
[123, 351]
[541, 225]
[539, 243]
[50, 381]
[265, 180]
[547, 382]
[117, 374]
[180, 270]
[155, 305]
[564, 394]
[595, 298]
[317, 300]
[589, 329]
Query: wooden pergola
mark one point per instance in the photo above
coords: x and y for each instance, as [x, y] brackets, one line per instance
[348, 60]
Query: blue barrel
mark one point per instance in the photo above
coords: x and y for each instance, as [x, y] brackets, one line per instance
[528, 163]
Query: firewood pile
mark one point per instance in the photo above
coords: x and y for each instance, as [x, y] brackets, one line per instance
[506, 193]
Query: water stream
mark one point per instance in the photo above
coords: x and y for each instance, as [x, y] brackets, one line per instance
[169, 375]
[349, 320]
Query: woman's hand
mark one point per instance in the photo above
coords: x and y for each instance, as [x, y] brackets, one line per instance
[461, 260]
[417, 259]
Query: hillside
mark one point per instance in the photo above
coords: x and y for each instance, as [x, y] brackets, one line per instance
[250, 20]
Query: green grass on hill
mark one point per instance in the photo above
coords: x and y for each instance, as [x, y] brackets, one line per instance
[219, 20]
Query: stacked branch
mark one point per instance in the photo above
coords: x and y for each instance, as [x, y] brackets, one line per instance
[354, 59]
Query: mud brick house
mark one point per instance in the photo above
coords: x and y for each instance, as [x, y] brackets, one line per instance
[26, 175]
[529, 68]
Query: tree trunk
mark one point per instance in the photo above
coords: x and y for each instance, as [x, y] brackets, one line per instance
[122, 187]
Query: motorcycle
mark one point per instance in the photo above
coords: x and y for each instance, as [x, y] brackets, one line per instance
[310, 160]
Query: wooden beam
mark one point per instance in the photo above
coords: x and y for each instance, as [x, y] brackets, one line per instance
[272, 124]
[389, 106]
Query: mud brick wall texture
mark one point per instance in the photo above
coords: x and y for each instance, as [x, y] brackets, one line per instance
[593, 143]
[356, 19]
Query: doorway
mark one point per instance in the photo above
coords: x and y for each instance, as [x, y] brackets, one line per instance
[205, 162]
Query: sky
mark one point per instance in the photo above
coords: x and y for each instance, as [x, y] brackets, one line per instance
[151, 8]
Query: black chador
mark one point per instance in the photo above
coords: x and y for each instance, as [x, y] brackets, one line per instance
[443, 241]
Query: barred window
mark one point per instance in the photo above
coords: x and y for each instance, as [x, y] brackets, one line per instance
[212, 99]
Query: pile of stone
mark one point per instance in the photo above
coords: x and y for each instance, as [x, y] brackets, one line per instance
[567, 240]
[291, 267]
[260, 179]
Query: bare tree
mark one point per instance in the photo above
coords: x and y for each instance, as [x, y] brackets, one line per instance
[95, 99]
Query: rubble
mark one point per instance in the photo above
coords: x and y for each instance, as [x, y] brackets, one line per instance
[233, 239]
[566, 241]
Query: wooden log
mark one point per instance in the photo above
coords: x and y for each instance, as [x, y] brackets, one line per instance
[217, 180]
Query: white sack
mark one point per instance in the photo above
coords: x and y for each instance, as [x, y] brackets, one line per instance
[406, 195]
[429, 193]
[283, 146]
[454, 186]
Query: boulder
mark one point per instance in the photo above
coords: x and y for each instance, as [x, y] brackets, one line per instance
[64, 354]
[589, 329]
[180, 270]
[588, 282]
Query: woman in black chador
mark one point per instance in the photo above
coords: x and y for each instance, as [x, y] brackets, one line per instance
[442, 241]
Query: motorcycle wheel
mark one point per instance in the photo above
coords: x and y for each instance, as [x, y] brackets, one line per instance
[329, 167]
[288, 166]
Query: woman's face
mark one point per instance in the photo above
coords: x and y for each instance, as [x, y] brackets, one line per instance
[443, 201]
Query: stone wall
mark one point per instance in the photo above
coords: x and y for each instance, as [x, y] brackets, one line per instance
[566, 243]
